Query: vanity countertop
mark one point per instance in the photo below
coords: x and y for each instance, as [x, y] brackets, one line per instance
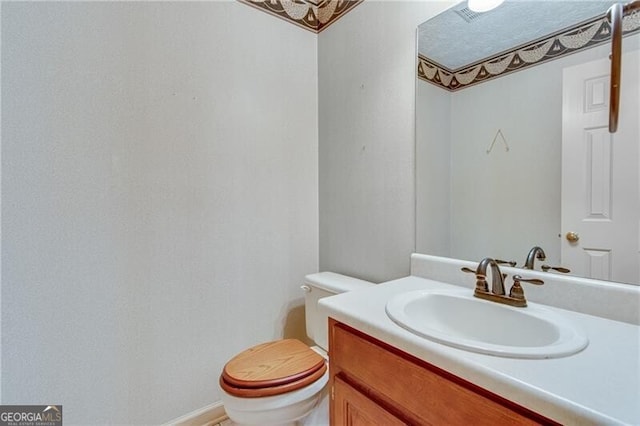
[600, 385]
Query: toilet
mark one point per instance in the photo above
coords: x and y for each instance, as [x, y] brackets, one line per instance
[280, 382]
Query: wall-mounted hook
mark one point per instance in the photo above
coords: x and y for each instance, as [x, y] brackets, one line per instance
[495, 138]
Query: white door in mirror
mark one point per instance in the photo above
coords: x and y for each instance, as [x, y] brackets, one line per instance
[600, 179]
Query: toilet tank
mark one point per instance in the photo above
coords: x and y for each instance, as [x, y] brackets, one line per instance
[317, 286]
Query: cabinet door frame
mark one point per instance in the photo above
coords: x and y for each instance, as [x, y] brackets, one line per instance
[354, 408]
[411, 389]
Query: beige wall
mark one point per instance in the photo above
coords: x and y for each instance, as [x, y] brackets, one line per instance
[159, 194]
[366, 84]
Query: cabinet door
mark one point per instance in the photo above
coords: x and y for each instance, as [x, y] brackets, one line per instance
[352, 408]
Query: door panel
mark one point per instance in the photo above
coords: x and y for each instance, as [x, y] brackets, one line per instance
[600, 179]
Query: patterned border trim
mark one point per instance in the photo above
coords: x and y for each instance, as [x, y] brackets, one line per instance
[312, 15]
[568, 41]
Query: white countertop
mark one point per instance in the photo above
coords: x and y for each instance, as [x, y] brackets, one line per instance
[600, 385]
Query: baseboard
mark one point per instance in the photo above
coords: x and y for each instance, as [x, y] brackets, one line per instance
[209, 415]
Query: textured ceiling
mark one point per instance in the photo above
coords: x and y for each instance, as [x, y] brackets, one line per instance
[449, 40]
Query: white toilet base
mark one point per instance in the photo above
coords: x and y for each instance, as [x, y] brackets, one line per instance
[319, 416]
[275, 410]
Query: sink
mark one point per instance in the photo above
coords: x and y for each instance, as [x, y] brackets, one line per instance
[456, 318]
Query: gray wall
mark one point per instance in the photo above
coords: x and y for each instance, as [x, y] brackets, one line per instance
[159, 200]
[433, 170]
[366, 85]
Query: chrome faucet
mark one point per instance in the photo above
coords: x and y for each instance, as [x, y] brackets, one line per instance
[497, 293]
[497, 279]
[535, 253]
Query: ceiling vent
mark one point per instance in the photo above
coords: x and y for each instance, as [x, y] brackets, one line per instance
[467, 14]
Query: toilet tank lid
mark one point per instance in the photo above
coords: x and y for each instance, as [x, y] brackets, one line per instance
[335, 283]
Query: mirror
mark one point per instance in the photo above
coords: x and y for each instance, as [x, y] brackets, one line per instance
[495, 114]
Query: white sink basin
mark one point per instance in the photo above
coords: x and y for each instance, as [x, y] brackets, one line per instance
[456, 318]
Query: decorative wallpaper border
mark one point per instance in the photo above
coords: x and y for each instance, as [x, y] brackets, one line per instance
[313, 15]
[569, 41]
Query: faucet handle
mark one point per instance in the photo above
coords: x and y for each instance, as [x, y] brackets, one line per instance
[518, 278]
[516, 291]
[481, 280]
[546, 268]
[511, 263]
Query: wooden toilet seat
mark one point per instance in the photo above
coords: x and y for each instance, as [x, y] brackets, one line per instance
[272, 368]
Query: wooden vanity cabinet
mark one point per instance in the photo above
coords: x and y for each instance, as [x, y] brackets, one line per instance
[373, 383]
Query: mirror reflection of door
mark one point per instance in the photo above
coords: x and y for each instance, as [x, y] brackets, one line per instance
[600, 178]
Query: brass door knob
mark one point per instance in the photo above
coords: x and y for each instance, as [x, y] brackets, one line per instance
[572, 237]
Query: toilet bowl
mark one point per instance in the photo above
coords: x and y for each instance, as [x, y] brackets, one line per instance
[280, 382]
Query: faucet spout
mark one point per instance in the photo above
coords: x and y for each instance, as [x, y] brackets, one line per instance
[535, 253]
[497, 279]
